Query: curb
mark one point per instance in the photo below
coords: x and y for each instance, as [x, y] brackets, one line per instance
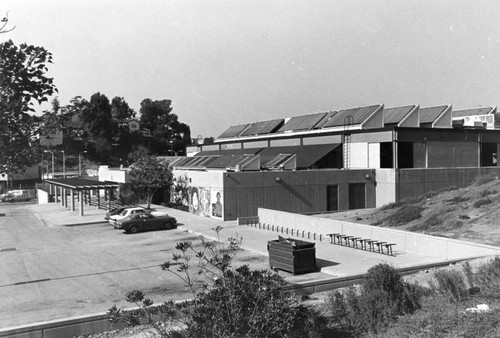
[85, 223]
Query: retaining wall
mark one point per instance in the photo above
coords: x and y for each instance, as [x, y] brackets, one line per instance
[415, 243]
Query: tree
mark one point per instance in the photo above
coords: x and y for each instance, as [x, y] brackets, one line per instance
[23, 80]
[120, 109]
[155, 115]
[170, 134]
[97, 118]
[148, 175]
[208, 140]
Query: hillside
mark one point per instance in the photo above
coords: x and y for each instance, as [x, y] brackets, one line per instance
[471, 213]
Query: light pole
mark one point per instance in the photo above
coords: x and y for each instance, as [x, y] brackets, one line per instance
[80, 161]
[64, 163]
[51, 153]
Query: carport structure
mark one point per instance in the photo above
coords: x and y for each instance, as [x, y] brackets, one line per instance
[82, 189]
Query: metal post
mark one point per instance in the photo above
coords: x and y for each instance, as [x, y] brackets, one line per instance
[80, 162]
[64, 164]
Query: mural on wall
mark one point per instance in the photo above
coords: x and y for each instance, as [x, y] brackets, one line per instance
[199, 201]
[216, 197]
[194, 200]
[180, 191]
[204, 201]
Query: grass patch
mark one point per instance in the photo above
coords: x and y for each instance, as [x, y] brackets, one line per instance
[404, 215]
[480, 180]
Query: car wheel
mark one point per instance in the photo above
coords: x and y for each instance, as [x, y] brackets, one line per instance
[168, 225]
[133, 229]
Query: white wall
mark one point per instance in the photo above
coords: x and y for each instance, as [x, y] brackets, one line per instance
[374, 155]
[385, 190]
[359, 155]
[113, 174]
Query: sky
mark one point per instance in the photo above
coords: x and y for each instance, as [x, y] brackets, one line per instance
[228, 62]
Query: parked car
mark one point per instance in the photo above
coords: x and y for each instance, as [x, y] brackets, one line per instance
[145, 222]
[127, 212]
[15, 196]
[131, 211]
[116, 211]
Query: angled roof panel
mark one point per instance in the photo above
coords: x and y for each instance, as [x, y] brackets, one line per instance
[275, 160]
[264, 127]
[306, 155]
[304, 122]
[229, 152]
[229, 161]
[350, 116]
[396, 114]
[325, 119]
[474, 111]
[194, 162]
[430, 114]
[234, 131]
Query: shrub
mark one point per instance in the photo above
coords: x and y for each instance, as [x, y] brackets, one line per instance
[247, 303]
[404, 215]
[481, 202]
[438, 318]
[450, 284]
[457, 199]
[382, 297]
[487, 277]
[389, 206]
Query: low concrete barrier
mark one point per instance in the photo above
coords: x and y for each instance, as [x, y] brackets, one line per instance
[420, 244]
[76, 326]
[247, 220]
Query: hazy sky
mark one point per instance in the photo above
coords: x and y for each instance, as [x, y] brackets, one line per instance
[230, 62]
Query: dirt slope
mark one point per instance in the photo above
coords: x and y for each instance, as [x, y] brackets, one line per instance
[471, 213]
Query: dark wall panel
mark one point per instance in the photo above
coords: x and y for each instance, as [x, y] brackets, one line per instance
[295, 191]
[416, 182]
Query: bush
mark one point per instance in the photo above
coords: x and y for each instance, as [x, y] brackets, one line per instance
[487, 278]
[450, 284]
[404, 215]
[481, 202]
[247, 303]
[382, 297]
[438, 318]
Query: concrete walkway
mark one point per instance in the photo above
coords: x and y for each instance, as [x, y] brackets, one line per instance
[333, 260]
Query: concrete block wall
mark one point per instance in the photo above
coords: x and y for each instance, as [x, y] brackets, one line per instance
[415, 243]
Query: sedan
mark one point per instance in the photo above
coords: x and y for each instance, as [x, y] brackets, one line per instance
[116, 211]
[126, 213]
[144, 222]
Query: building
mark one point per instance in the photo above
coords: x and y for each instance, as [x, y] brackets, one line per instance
[338, 160]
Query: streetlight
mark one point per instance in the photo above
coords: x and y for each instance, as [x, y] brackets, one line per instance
[80, 161]
[48, 151]
[64, 164]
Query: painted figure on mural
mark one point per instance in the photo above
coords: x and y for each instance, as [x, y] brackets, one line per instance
[217, 206]
[204, 201]
[194, 206]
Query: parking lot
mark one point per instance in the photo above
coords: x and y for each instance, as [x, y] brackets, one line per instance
[49, 272]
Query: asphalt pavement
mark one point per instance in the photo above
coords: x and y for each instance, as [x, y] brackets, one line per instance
[332, 260]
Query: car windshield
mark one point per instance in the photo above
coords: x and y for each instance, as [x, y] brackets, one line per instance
[123, 213]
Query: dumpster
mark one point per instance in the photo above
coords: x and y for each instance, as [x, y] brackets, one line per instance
[292, 255]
